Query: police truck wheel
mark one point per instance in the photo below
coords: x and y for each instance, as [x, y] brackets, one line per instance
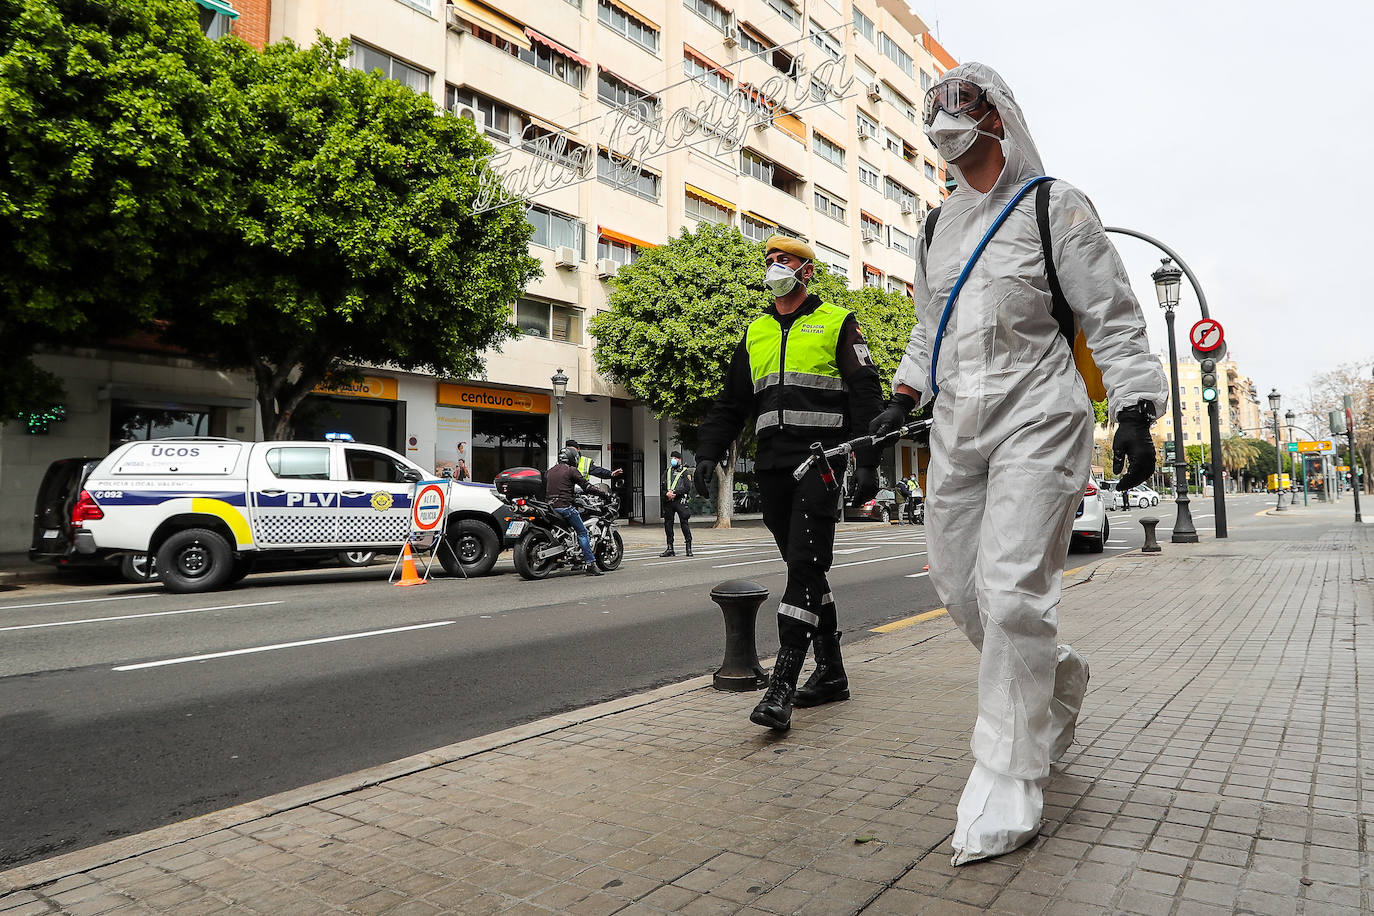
[138, 567]
[475, 544]
[355, 558]
[610, 552]
[195, 560]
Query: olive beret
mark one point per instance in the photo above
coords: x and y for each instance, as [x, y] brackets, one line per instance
[789, 245]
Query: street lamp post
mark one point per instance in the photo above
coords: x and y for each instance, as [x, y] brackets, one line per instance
[1275, 401]
[1289, 416]
[560, 391]
[1167, 281]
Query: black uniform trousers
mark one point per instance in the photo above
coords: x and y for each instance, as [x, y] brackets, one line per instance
[677, 509]
[801, 516]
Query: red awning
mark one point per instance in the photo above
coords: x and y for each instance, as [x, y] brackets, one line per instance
[555, 47]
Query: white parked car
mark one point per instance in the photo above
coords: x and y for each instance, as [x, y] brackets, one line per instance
[207, 509]
[1141, 497]
[1090, 525]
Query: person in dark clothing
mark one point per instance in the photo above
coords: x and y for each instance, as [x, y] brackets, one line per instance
[560, 484]
[675, 503]
[586, 467]
[803, 372]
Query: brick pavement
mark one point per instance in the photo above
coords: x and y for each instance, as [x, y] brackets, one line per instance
[1220, 770]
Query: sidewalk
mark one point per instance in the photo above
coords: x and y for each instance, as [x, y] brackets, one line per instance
[1219, 770]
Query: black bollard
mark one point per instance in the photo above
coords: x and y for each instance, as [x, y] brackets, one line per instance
[739, 601]
[1151, 545]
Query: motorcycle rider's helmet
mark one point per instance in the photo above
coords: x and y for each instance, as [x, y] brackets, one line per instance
[569, 455]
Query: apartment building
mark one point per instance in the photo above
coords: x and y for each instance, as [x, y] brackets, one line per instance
[839, 159]
[1236, 393]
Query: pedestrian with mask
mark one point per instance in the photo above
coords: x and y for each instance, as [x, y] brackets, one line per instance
[997, 306]
[675, 503]
[803, 373]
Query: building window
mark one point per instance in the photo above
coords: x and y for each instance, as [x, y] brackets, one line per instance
[616, 92]
[622, 173]
[898, 240]
[893, 52]
[871, 227]
[541, 318]
[709, 75]
[830, 205]
[621, 252]
[825, 42]
[863, 25]
[712, 12]
[829, 151]
[895, 190]
[761, 46]
[554, 63]
[214, 25]
[930, 169]
[787, 10]
[755, 166]
[367, 58]
[870, 176]
[554, 146]
[892, 143]
[926, 81]
[555, 230]
[622, 23]
[873, 277]
[867, 126]
[836, 261]
[755, 230]
[899, 102]
[707, 211]
[895, 285]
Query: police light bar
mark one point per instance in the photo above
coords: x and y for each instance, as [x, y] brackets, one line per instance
[339, 437]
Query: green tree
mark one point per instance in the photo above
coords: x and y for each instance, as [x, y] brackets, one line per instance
[1101, 416]
[111, 119]
[350, 238]
[678, 312]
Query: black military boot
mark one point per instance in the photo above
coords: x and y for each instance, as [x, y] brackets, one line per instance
[828, 682]
[689, 548]
[775, 709]
[668, 552]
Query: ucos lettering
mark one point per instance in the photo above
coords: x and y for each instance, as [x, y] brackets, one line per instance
[163, 451]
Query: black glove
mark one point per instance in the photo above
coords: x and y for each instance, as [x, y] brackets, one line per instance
[1132, 446]
[865, 484]
[704, 476]
[893, 415]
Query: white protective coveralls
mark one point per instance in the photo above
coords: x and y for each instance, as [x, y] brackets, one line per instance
[1010, 456]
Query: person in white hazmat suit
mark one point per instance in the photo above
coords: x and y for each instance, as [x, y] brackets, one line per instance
[1012, 435]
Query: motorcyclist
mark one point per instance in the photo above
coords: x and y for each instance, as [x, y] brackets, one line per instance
[560, 482]
[1012, 439]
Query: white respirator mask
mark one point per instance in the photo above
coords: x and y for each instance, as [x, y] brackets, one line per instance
[954, 135]
[781, 279]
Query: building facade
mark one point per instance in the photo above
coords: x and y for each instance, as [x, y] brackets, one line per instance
[833, 152]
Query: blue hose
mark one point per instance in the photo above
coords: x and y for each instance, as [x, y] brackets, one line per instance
[968, 268]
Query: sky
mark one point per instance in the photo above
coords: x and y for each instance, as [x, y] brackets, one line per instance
[1238, 133]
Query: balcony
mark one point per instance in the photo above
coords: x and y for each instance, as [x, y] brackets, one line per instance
[493, 72]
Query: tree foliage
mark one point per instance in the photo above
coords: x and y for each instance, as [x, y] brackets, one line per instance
[350, 238]
[111, 127]
[1326, 392]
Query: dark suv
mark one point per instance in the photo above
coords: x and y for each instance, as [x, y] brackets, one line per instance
[54, 540]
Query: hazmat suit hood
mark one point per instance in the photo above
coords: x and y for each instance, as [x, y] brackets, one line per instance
[1023, 159]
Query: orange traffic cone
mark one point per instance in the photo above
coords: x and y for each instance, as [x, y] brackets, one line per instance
[408, 574]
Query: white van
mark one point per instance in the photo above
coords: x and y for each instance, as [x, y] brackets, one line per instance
[207, 508]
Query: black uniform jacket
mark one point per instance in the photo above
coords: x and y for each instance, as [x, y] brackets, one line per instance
[778, 447]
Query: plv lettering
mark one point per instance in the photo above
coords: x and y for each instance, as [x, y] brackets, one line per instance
[311, 500]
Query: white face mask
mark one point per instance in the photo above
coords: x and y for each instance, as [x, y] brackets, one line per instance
[954, 136]
[781, 279]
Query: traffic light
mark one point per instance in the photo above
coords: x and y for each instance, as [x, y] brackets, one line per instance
[1209, 380]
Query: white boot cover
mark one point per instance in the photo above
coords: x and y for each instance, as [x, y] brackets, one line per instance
[997, 814]
[1070, 686]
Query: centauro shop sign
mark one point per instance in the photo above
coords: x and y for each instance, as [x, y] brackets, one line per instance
[369, 386]
[475, 397]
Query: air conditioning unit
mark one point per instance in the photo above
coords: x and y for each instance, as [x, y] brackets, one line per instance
[763, 124]
[865, 133]
[871, 235]
[478, 119]
[907, 207]
[731, 36]
[565, 257]
[874, 92]
[606, 267]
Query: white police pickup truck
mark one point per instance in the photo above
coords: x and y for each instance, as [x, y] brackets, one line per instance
[208, 508]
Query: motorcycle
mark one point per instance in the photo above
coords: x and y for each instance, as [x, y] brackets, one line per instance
[548, 543]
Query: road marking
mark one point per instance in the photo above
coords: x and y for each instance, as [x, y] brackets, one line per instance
[851, 550]
[748, 563]
[910, 621]
[900, 556]
[918, 575]
[15, 607]
[193, 610]
[282, 645]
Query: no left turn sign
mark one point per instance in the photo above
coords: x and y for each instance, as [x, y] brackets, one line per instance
[1207, 335]
[428, 509]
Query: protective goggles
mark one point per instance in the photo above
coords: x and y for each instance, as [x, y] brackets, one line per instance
[955, 96]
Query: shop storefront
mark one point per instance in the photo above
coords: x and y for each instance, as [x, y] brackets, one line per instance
[480, 431]
[369, 410]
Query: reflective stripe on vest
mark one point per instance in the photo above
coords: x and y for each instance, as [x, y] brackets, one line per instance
[795, 373]
[675, 478]
[584, 466]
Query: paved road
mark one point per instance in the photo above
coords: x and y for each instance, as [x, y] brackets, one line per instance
[115, 721]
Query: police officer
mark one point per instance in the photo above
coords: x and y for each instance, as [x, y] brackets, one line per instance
[586, 467]
[804, 373]
[675, 503]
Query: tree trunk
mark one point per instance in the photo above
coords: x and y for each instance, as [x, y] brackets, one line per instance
[725, 489]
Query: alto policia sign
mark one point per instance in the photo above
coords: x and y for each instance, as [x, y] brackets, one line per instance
[640, 131]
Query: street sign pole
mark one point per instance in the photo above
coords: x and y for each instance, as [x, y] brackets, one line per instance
[1208, 341]
[1350, 443]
